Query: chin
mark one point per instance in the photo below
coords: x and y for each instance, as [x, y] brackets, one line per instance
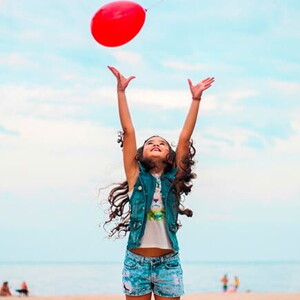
[157, 155]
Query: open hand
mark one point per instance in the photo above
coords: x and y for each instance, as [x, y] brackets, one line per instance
[122, 81]
[198, 89]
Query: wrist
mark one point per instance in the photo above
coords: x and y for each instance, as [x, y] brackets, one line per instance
[197, 98]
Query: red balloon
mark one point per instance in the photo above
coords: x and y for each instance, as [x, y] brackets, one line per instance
[116, 23]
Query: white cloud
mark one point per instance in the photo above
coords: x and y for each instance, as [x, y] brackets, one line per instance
[254, 180]
[54, 155]
[3, 6]
[295, 123]
[210, 68]
[60, 154]
[33, 34]
[49, 102]
[177, 65]
[165, 99]
[16, 60]
[230, 172]
[70, 77]
[284, 87]
[127, 57]
[290, 145]
[282, 64]
[242, 94]
[230, 144]
[53, 102]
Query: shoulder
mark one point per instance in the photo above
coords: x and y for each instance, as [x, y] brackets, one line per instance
[171, 174]
[132, 180]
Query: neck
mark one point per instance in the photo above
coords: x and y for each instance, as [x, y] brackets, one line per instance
[158, 168]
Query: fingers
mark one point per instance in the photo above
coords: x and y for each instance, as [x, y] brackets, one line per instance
[118, 75]
[208, 79]
[114, 71]
[207, 82]
[203, 85]
[112, 68]
[130, 78]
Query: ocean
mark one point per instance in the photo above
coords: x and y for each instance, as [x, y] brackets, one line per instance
[102, 277]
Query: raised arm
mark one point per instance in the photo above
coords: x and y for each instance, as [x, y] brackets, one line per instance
[129, 139]
[184, 138]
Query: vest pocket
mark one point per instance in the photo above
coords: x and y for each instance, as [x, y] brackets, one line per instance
[135, 224]
[137, 202]
[135, 227]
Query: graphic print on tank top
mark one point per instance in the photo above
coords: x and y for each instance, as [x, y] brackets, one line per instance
[157, 210]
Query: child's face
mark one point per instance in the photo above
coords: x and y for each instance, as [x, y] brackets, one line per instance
[156, 147]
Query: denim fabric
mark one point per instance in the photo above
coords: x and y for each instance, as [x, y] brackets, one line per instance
[161, 275]
[140, 203]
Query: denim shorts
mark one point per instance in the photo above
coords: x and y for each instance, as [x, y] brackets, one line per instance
[161, 275]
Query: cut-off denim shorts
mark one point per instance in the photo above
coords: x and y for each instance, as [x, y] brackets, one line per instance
[161, 275]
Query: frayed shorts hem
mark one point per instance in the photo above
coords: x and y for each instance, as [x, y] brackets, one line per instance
[168, 296]
[155, 293]
[138, 294]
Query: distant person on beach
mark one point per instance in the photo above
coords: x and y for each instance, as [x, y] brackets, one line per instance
[23, 291]
[157, 177]
[236, 283]
[5, 291]
[224, 280]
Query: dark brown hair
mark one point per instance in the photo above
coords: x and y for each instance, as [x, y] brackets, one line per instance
[119, 212]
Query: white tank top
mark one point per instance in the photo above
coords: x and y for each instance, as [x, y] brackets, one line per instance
[155, 235]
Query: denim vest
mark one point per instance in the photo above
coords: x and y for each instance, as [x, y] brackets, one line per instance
[140, 203]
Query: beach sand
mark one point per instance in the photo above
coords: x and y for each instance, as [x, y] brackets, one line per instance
[204, 296]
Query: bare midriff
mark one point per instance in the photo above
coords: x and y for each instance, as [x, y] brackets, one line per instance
[150, 252]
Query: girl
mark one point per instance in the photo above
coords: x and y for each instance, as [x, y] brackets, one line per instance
[156, 177]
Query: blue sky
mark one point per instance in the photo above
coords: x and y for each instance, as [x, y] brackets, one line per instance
[59, 123]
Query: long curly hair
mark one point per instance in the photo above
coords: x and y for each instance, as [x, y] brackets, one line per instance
[118, 199]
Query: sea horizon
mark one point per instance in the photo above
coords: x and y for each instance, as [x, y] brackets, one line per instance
[120, 261]
[46, 278]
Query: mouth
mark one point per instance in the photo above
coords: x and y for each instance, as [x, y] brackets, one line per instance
[156, 149]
